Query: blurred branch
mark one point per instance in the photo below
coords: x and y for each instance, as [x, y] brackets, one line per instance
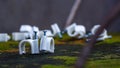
[72, 12]
[87, 49]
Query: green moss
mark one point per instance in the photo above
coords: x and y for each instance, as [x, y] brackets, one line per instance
[54, 66]
[68, 59]
[64, 38]
[109, 63]
[8, 45]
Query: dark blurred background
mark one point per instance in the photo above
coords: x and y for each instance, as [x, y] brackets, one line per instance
[43, 13]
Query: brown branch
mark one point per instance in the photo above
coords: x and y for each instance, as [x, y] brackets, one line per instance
[72, 12]
[87, 49]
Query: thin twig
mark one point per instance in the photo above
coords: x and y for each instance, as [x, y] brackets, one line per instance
[72, 12]
[87, 49]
